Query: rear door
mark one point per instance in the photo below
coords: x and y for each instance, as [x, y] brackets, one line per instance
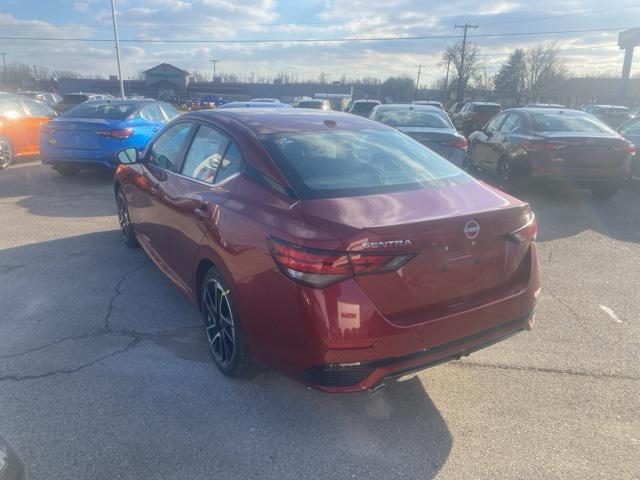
[155, 120]
[191, 200]
[497, 146]
[37, 115]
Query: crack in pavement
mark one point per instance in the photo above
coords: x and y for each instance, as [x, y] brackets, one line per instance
[559, 371]
[105, 322]
[63, 371]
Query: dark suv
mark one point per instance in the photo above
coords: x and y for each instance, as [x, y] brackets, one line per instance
[474, 115]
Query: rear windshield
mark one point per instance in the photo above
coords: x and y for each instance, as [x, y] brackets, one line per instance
[487, 109]
[111, 111]
[363, 107]
[413, 118]
[309, 104]
[328, 164]
[567, 122]
[75, 98]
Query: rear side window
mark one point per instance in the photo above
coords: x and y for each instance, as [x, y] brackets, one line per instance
[152, 113]
[205, 154]
[169, 111]
[165, 151]
[338, 163]
[11, 108]
[73, 98]
[37, 109]
[511, 123]
[231, 163]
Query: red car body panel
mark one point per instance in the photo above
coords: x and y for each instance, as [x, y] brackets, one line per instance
[456, 295]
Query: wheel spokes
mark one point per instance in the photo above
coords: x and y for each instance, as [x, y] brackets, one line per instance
[219, 322]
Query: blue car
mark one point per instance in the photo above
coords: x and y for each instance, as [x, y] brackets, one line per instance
[90, 134]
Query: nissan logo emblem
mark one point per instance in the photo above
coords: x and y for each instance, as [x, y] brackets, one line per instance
[471, 229]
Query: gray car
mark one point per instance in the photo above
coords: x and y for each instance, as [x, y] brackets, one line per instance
[631, 131]
[428, 125]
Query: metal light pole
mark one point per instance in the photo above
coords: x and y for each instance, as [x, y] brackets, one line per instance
[4, 67]
[445, 95]
[461, 85]
[115, 34]
[214, 61]
[415, 94]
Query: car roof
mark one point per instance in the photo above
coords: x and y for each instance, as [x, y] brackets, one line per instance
[255, 105]
[120, 100]
[543, 110]
[363, 100]
[271, 120]
[621, 107]
[485, 103]
[409, 106]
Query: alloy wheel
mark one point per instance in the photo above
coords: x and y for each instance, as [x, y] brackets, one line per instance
[503, 174]
[123, 217]
[6, 155]
[219, 323]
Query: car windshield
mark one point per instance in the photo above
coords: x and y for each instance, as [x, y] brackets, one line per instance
[357, 162]
[567, 122]
[412, 118]
[111, 111]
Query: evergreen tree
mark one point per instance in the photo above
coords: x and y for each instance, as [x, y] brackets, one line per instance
[510, 78]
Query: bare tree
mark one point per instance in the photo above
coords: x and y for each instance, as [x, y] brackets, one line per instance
[471, 62]
[543, 66]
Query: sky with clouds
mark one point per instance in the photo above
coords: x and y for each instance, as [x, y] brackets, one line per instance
[145, 24]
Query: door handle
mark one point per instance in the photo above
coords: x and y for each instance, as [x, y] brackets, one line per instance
[202, 212]
[154, 190]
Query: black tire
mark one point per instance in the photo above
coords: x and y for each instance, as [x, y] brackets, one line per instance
[6, 153]
[605, 191]
[126, 228]
[66, 171]
[222, 327]
[503, 175]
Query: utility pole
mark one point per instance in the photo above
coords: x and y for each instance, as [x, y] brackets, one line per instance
[4, 67]
[461, 81]
[115, 34]
[445, 95]
[415, 94]
[214, 61]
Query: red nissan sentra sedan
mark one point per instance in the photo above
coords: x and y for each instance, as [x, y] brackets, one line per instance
[332, 248]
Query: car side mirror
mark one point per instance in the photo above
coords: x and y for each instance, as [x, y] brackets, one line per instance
[128, 155]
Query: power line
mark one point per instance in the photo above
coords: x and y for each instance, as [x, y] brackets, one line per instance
[312, 40]
[561, 50]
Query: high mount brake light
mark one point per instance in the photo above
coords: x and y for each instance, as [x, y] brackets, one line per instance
[630, 149]
[528, 232]
[320, 268]
[121, 133]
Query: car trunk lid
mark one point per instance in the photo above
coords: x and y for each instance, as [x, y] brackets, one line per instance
[458, 234]
[585, 149]
[81, 133]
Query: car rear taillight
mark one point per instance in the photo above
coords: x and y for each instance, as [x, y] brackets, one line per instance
[320, 268]
[460, 142]
[120, 133]
[528, 232]
[630, 149]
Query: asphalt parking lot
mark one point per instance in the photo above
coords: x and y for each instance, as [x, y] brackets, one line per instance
[105, 372]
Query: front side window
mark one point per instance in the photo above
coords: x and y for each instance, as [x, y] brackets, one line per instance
[205, 154]
[328, 164]
[165, 152]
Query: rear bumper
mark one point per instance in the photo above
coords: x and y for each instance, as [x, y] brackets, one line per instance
[336, 340]
[579, 175]
[80, 159]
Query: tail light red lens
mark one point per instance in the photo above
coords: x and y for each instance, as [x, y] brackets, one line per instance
[630, 149]
[460, 142]
[120, 133]
[320, 268]
[527, 233]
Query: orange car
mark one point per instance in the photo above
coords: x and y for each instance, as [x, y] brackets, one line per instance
[20, 121]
